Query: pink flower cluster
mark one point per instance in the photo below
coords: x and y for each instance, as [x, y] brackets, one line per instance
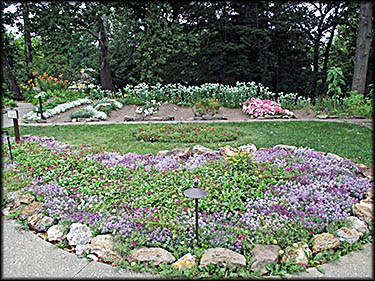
[256, 107]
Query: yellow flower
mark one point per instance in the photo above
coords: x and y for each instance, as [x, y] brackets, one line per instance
[274, 241]
[262, 218]
[126, 95]
[246, 232]
[133, 98]
[236, 228]
[10, 174]
[260, 176]
[266, 225]
[182, 242]
[132, 263]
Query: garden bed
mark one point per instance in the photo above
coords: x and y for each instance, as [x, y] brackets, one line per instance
[278, 196]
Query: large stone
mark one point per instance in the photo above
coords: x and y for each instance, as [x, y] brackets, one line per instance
[363, 211]
[156, 255]
[129, 118]
[56, 233]
[79, 235]
[262, 255]
[228, 150]
[221, 256]
[248, 147]
[39, 222]
[324, 241]
[370, 193]
[200, 149]
[178, 152]
[322, 116]
[349, 235]
[187, 261]
[357, 224]
[13, 200]
[334, 156]
[165, 118]
[31, 209]
[102, 246]
[296, 255]
[285, 147]
[26, 198]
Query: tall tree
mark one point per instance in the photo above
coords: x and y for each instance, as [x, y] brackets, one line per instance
[363, 47]
[105, 71]
[27, 37]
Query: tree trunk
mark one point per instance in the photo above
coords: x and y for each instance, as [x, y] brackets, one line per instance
[363, 47]
[27, 36]
[13, 86]
[105, 72]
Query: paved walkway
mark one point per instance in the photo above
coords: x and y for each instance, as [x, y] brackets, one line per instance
[25, 255]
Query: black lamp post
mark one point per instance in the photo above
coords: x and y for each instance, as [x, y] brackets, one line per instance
[40, 102]
[10, 149]
[196, 193]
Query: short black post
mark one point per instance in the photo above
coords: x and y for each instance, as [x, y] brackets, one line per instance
[196, 221]
[40, 106]
[10, 149]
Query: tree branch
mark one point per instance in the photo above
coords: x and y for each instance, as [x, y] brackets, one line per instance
[89, 31]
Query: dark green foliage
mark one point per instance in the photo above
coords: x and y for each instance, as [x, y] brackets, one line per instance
[283, 45]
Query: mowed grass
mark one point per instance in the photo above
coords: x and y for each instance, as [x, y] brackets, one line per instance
[347, 140]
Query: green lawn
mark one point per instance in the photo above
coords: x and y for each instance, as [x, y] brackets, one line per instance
[347, 140]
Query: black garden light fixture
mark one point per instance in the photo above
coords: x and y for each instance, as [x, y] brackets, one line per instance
[40, 102]
[196, 193]
[10, 149]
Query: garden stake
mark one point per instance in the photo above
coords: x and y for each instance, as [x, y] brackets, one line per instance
[196, 193]
[10, 149]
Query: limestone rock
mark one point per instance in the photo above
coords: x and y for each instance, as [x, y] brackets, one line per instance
[39, 222]
[228, 150]
[348, 234]
[262, 255]
[248, 147]
[178, 152]
[220, 256]
[26, 198]
[357, 224]
[187, 261]
[165, 118]
[56, 233]
[79, 235]
[324, 241]
[13, 200]
[102, 246]
[157, 255]
[129, 118]
[363, 211]
[334, 156]
[285, 147]
[93, 257]
[200, 149]
[31, 209]
[322, 116]
[296, 255]
[370, 193]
